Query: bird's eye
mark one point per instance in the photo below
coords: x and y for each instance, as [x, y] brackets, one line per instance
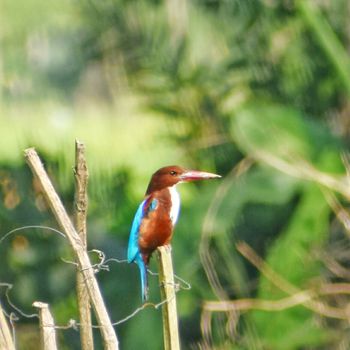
[173, 173]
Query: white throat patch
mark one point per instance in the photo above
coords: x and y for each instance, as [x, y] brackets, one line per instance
[175, 204]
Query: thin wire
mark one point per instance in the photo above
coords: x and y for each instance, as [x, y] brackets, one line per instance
[155, 306]
[102, 265]
[119, 261]
[73, 324]
[185, 285]
[29, 227]
[8, 287]
[12, 319]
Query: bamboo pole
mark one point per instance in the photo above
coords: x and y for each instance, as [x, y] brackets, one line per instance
[108, 334]
[81, 205]
[168, 293]
[6, 341]
[47, 326]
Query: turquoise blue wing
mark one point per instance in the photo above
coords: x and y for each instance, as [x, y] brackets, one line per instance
[143, 210]
[133, 247]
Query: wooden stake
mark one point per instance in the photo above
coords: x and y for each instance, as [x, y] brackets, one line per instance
[6, 342]
[81, 204]
[168, 293]
[47, 326]
[108, 334]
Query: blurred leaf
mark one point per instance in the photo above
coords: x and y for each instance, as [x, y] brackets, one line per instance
[273, 129]
[290, 254]
[285, 134]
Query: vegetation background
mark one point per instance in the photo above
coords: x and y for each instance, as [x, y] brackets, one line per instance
[256, 90]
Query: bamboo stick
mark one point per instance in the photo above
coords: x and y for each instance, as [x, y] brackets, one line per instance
[168, 293]
[108, 334]
[81, 205]
[47, 326]
[6, 341]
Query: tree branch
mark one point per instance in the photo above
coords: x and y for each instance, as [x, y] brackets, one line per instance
[81, 205]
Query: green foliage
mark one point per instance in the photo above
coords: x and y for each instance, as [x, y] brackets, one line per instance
[231, 80]
[288, 136]
[288, 256]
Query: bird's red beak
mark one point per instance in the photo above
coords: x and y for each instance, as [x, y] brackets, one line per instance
[194, 175]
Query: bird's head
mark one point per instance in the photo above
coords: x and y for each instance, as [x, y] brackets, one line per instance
[171, 175]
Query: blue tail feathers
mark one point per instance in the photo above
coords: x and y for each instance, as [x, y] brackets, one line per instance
[143, 274]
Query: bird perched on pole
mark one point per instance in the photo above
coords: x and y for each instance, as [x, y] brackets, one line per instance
[156, 216]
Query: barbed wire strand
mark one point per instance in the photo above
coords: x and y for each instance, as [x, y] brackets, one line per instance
[102, 265]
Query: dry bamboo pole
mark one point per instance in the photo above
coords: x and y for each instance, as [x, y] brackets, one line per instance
[6, 341]
[47, 326]
[108, 334]
[81, 204]
[168, 293]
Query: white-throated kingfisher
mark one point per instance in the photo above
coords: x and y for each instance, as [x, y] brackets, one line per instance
[156, 216]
